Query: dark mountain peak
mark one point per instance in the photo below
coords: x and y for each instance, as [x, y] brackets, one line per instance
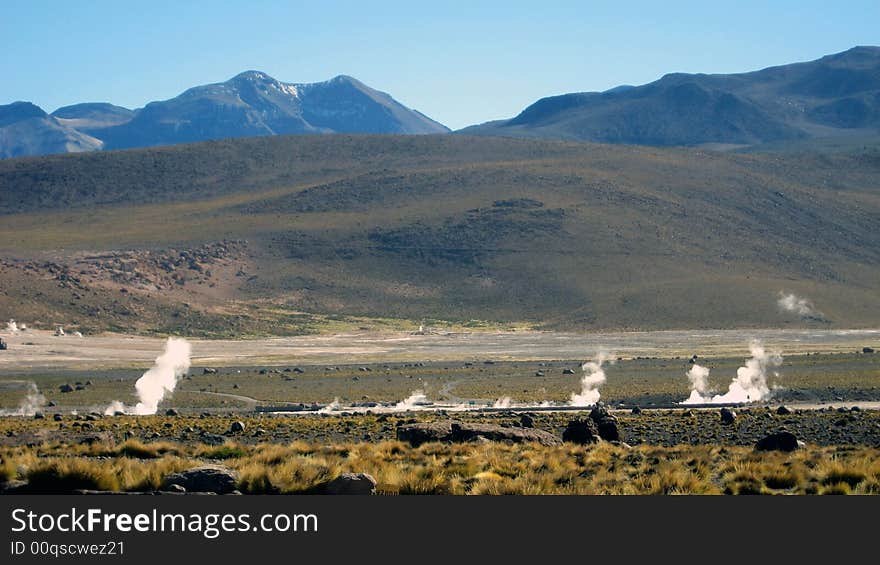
[17, 111]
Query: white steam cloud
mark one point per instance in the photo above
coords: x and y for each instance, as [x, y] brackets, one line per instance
[794, 304]
[30, 405]
[749, 385]
[11, 326]
[594, 376]
[414, 400]
[699, 377]
[503, 402]
[159, 380]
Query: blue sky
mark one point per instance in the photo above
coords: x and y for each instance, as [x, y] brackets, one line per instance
[458, 62]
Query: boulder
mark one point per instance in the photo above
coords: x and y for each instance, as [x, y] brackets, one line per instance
[582, 431]
[236, 427]
[783, 411]
[462, 432]
[636, 410]
[418, 433]
[779, 441]
[608, 429]
[209, 371]
[567, 371]
[526, 421]
[728, 416]
[172, 412]
[65, 388]
[57, 417]
[350, 483]
[207, 478]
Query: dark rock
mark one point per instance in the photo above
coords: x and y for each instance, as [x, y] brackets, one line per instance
[208, 478]
[636, 410]
[57, 417]
[462, 432]
[728, 416]
[608, 429]
[867, 350]
[350, 483]
[209, 371]
[65, 388]
[39, 416]
[539, 373]
[212, 439]
[567, 371]
[236, 427]
[779, 441]
[418, 433]
[582, 431]
[175, 488]
[298, 370]
[172, 412]
[50, 404]
[783, 411]
[526, 421]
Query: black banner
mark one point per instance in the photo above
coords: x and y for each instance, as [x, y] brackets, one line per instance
[146, 529]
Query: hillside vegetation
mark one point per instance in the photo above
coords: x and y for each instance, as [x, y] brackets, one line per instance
[553, 234]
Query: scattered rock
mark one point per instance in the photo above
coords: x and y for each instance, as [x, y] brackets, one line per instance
[526, 421]
[539, 373]
[636, 410]
[728, 416]
[207, 478]
[39, 416]
[209, 371]
[783, 411]
[57, 417]
[212, 439]
[567, 371]
[298, 370]
[236, 427]
[350, 483]
[582, 431]
[779, 441]
[172, 412]
[65, 388]
[13, 487]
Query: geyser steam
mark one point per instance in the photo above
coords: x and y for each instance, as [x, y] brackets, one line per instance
[30, 404]
[797, 305]
[749, 385]
[11, 326]
[159, 380]
[594, 376]
[699, 377]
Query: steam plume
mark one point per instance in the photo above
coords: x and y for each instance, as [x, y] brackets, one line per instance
[798, 305]
[699, 377]
[503, 402]
[749, 385]
[30, 405]
[414, 400]
[11, 326]
[594, 376]
[160, 379]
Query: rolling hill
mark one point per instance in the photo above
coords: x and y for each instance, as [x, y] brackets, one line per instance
[837, 96]
[259, 235]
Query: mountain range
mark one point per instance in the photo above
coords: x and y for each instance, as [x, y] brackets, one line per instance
[837, 96]
[834, 99]
[249, 104]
